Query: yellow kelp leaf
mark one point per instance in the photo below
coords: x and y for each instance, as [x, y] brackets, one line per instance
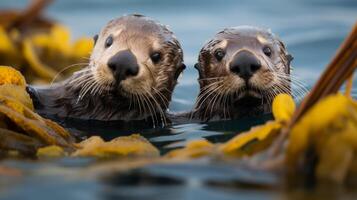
[6, 44]
[283, 107]
[31, 123]
[193, 149]
[11, 76]
[336, 153]
[60, 38]
[326, 117]
[35, 63]
[59, 130]
[126, 146]
[41, 40]
[9, 51]
[82, 48]
[16, 92]
[52, 151]
[255, 140]
[11, 140]
[13, 104]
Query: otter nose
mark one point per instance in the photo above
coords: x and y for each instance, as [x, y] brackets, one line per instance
[245, 64]
[123, 64]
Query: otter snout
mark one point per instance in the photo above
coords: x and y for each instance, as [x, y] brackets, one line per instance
[244, 64]
[123, 65]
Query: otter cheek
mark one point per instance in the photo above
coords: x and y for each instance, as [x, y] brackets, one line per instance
[263, 80]
[105, 73]
[235, 82]
[136, 85]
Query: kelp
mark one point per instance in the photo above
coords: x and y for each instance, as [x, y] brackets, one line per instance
[21, 129]
[125, 146]
[327, 131]
[10, 76]
[48, 54]
[244, 144]
[11, 140]
[52, 151]
[319, 135]
[41, 49]
[16, 93]
[193, 150]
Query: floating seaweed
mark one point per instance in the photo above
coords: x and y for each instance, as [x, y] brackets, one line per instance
[21, 129]
[319, 135]
[39, 47]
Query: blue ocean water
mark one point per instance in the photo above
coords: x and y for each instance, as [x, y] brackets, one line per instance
[311, 29]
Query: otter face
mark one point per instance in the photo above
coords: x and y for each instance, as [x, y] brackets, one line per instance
[240, 66]
[134, 55]
[132, 71]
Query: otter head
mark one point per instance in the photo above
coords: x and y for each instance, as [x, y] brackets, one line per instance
[240, 72]
[135, 63]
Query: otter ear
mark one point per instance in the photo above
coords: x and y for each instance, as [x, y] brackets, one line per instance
[289, 58]
[95, 38]
[180, 70]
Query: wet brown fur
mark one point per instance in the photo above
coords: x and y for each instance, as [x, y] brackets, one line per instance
[225, 102]
[119, 101]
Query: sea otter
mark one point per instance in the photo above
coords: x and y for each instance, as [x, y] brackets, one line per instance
[131, 75]
[240, 71]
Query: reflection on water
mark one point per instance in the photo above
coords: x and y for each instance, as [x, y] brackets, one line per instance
[312, 30]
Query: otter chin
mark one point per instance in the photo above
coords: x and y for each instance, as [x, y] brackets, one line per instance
[241, 70]
[131, 74]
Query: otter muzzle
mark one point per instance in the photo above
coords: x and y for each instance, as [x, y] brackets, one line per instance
[245, 64]
[123, 65]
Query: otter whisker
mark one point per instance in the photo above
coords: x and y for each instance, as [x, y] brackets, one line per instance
[211, 78]
[136, 101]
[164, 100]
[146, 107]
[214, 96]
[161, 112]
[218, 101]
[211, 104]
[300, 86]
[85, 58]
[141, 104]
[151, 109]
[99, 85]
[296, 86]
[64, 69]
[79, 81]
[83, 84]
[206, 93]
[292, 78]
[86, 88]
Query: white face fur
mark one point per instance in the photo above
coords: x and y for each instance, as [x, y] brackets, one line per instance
[143, 38]
[255, 41]
[122, 40]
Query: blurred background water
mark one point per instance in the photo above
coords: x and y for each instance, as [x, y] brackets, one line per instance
[311, 29]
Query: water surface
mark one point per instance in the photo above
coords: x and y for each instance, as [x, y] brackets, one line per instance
[312, 30]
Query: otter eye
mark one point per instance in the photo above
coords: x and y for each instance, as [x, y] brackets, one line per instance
[267, 51]
[109, 41]
[155, 57]
[219, 54]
